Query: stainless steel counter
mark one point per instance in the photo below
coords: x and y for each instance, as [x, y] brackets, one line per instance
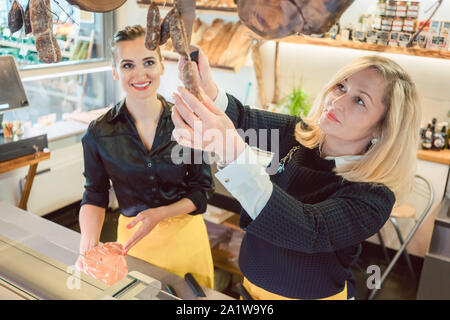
[37, 260]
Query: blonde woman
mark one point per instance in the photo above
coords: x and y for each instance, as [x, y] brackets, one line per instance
[342, 169]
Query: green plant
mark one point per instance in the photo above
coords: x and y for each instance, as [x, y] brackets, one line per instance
[296, 103]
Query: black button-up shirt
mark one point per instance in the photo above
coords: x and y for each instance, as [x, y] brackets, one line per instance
[142, 179]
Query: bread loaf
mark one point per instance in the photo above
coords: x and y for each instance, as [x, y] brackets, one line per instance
[239, 47]
[198, 31]
[224, 37]
[152, 36]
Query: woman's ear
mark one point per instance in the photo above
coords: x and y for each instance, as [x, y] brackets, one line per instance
[162, 67]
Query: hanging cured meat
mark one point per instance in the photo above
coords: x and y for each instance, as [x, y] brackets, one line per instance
[15, 17]
[42, 26]
[152, 37]
[280, 18]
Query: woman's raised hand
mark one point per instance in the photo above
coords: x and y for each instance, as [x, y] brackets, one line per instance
[204, 126]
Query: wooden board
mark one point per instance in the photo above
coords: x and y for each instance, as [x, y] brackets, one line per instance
[16, 163]
[442, 156]
[422, 52]
[97, 5]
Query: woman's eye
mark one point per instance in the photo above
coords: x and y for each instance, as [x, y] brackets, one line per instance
[360, 102]
[341, 87]
[148, 63]
[127, 66]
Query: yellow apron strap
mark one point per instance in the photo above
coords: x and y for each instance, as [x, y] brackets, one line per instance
[179, 245]
[260, 294]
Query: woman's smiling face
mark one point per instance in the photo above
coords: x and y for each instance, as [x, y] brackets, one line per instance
[353, 108]
[138, 69]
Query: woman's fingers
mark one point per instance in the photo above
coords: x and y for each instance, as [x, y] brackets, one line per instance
[182, 133]
[184, 111]
[196, 106]
[210, 104]
[133, 222]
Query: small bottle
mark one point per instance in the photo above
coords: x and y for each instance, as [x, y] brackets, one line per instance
[438, 141]
[428, 132]
[444, 135]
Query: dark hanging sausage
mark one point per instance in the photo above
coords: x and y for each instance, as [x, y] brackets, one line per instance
[26, 20]
[15, 17]
[165, 28]
[178, 34]
[189, 80]
[153, 27]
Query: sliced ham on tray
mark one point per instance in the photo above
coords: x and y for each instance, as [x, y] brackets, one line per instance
[105, 262]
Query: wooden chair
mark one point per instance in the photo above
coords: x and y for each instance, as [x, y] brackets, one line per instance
[416, 207]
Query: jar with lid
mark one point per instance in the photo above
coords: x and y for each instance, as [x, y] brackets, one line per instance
[381, 8]
[391, 8]
[401, 9]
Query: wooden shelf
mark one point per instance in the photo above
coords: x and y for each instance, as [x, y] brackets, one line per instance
[442, 156]
[422, 52]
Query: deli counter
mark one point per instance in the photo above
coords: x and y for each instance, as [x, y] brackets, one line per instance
[37, 262]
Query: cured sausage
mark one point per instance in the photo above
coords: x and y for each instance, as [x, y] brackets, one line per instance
[26, 20]
[15, 17]
[165, 28]
[42, 27]
[178, 34]
[48, 48]
[152, 36]
[190, 81]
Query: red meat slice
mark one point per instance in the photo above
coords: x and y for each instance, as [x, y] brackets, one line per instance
[106, 263]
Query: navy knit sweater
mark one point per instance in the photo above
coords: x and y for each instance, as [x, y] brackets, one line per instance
[303, 243]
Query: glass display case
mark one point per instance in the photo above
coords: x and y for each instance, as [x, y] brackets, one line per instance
[38, 260]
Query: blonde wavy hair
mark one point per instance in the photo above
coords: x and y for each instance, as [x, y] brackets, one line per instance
[392, 160]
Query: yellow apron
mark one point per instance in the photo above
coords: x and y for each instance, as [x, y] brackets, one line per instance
[258, 293]
[179, 244]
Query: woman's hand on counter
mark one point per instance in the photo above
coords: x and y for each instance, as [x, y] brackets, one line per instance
[204, 73]
[204, 126]
[149, 219]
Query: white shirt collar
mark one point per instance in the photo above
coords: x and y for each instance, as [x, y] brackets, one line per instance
[341, 160]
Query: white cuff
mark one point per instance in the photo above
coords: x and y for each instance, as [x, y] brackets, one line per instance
[247, 180]
[221, 100]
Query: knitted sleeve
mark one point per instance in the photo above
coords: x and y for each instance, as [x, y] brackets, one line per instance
[269, 128]
[348, 217]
